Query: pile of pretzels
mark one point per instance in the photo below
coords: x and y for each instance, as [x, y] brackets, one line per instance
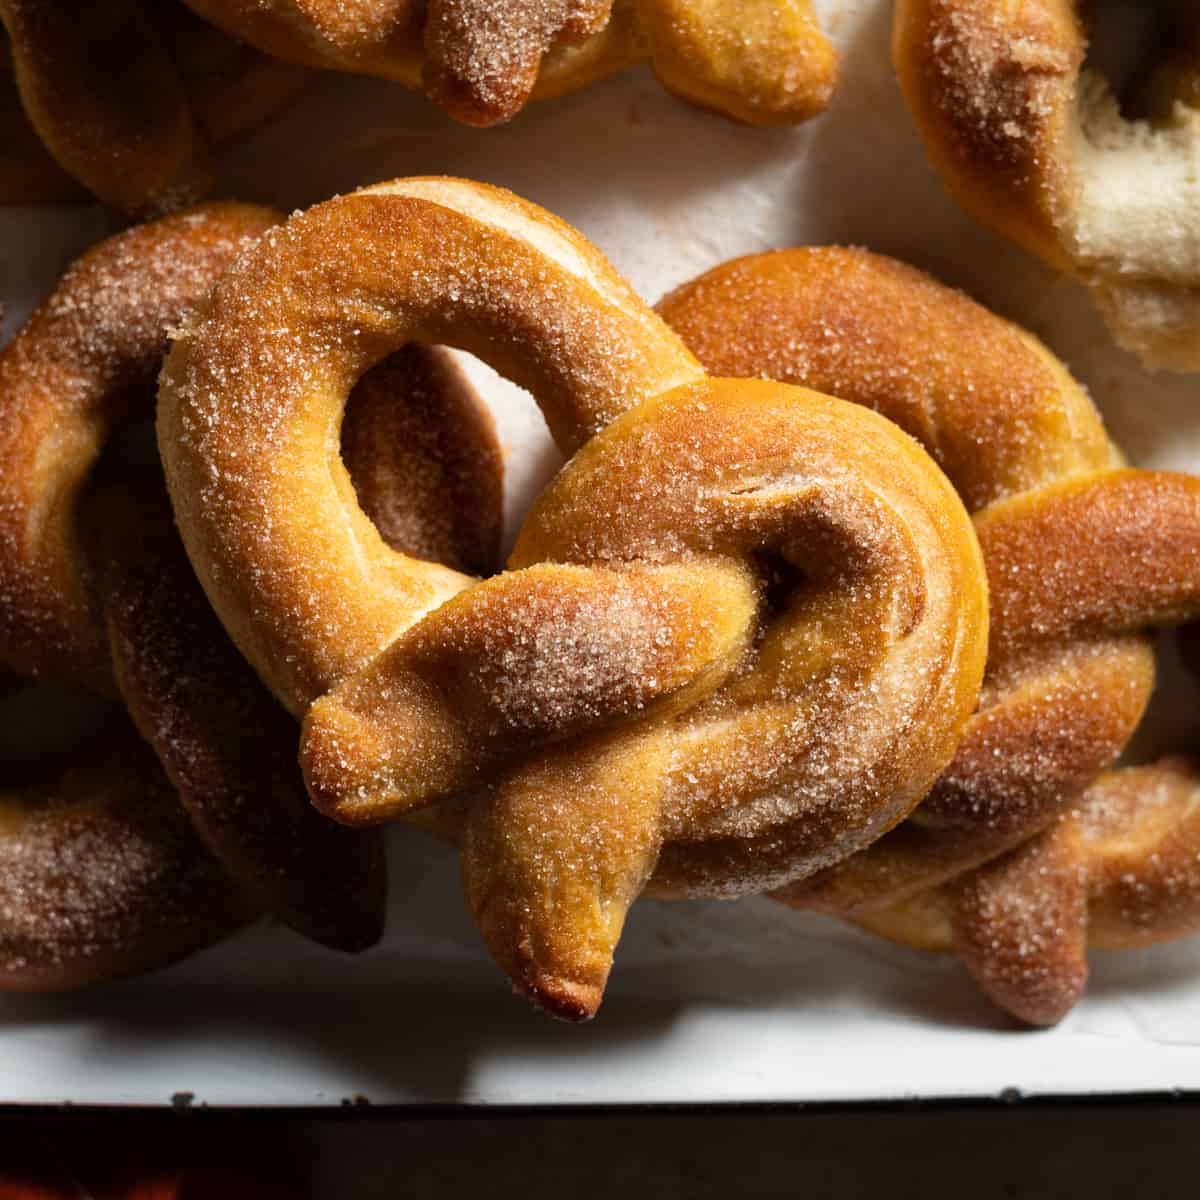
[129, 99]
[874, 655]
[844, 595]
[196, 73]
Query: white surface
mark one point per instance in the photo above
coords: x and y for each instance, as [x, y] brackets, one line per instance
[708, 1002]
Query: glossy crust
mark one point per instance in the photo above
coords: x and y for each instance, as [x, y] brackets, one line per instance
[98, 594]
[137, 137]
[764, 62]
[1083, 555]
[739, 636]
[1034, 145]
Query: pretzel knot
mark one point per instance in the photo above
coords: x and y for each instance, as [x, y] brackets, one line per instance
[1083, 557]
[738, 638]
[103, 871]
[760, 61]
[125, 97]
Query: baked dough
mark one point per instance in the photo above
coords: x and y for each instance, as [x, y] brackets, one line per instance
[764, 62]
[1034, 144]
[1083, 556]
[97, 595]
[739, 636]
[136, 137]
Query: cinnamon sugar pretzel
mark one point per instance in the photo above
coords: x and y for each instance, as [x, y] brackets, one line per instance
[1084, 556]
[96, 594]
[1031, 140]
[738, 638]
[759, 61]
[135, 135]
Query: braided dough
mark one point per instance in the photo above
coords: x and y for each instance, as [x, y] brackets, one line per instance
[1034, 144]
[760, 61]
[1083, 556]
[740, 633]
[96, 593]
[137, 136]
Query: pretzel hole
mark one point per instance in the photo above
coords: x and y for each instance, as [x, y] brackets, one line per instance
[1170, 720]
[781, 580]
[42, 727]
[1126, 38]
[531, 459]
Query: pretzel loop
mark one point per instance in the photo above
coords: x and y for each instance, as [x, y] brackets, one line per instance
[526, 295]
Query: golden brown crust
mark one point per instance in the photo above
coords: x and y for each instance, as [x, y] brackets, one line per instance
[103, 873]
[1122, 871]
[1082, 556]
[878, 332]
[28, 174]
[568, 328]
[744, 626]
[80, 368]
[764, 62]
[136, 138]
[96, 583]
[482, 58]
[991, 87]
[128, 134]
[1033, 143]
[1020, 927]
[226, 746]
[1118, 552]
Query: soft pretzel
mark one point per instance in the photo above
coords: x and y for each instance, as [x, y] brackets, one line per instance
[95, 592]
[1083, 557]
[136, 136]
[739, 636]
[764, 62]
[1034, 144]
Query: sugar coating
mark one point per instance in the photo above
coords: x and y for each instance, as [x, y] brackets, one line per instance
[1083, 557]
[1033, 141]
[81, 368]
[102, 874]
[484, 55]
[253, 395]
[756, 61]
[760, 609]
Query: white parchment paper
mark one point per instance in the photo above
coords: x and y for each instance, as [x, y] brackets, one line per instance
[709, 1002]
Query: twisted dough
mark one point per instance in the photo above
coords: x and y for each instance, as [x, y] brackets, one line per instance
[1034, 144]
[741, 632]
[764, 62]
[136, 136]
[1083, 556]
[96, 592]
